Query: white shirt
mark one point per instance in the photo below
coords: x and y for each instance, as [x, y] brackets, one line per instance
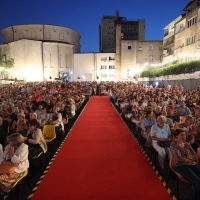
[20, 156]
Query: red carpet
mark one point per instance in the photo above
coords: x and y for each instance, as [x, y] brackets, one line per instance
[100, 161]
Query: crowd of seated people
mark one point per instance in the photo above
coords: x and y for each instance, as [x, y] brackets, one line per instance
[24, 110]
[158, 113]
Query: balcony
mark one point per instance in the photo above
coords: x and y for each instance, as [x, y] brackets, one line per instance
[169, 42]
[166, 33]
[168, 53]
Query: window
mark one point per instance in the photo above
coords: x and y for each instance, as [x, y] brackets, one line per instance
[160, 47]
[190, 40]
[192, 21]
[104, 59]
[111, 75]
[150, 47]
[104, 75]
[80, 77]
[140, 48]
[111, 66]
[103, 66]
[111, 58]
[129, 47]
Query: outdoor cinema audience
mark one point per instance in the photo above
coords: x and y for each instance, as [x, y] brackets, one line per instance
[157, 113]
[25, 108]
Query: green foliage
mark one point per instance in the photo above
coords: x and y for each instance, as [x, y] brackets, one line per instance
[7, 64]
[173, 69]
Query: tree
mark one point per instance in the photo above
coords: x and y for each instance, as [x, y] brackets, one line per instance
[6, 64]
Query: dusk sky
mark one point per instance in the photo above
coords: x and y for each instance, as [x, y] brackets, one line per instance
[84, 16]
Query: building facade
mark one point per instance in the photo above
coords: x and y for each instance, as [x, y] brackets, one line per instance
[94, 67]
[181, 40]
[40, 52]
[130, 30]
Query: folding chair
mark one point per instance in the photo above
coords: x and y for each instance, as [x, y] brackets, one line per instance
[49, 133]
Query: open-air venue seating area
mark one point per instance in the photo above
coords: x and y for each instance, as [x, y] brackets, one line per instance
[131, 101]
[132, 107]
[29, 98]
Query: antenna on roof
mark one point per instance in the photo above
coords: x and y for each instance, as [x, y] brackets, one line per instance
[117, 13]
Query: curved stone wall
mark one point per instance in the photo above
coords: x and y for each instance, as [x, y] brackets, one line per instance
[42, 33]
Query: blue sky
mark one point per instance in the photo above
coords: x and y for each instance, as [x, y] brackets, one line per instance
[84, 16]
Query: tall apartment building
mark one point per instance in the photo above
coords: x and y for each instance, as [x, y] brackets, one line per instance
[181, 40]
[130, 30]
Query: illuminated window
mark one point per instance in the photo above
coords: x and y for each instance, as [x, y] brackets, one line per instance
[111, 58]
[103, 66]
[111, 66]
[103, 75]
[111, 75]
[192, 21]
[190, 40]
[104, 59]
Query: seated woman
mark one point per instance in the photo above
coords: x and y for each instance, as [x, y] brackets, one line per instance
[33, 115]
[161, 135]
[56, 120]
[34, 139]
[157, 111]
[43, 118]
[21, 117]
[21, 127]
[73, 107]
[184, 160]
[168, 120]
[147, 122]
[186, 125]
[15, 154]
[77, 101]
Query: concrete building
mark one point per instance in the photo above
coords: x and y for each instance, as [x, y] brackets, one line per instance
[133, 56]
[40, 52]
[94, 67]
[46, 52]
[130, 30]
[168, 40]
[182, 35]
